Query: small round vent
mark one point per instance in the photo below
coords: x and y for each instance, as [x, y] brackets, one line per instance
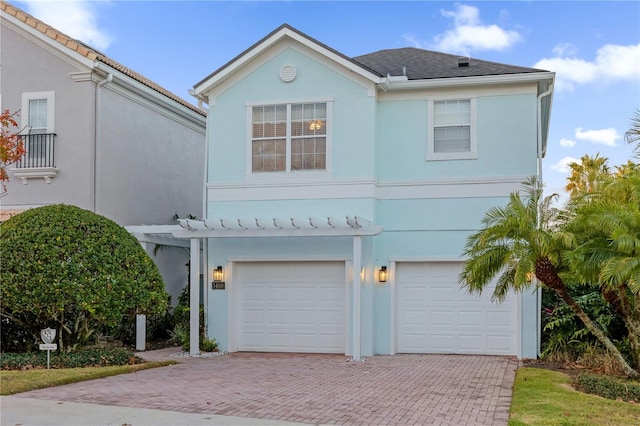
[288, 73]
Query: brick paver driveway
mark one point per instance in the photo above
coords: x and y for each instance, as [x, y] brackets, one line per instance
[316, 389]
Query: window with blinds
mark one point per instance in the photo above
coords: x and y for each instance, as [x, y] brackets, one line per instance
[289, 137]
[452, 133]
[38, 115]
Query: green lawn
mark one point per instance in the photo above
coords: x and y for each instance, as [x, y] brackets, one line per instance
[16, 381]
[544, 397]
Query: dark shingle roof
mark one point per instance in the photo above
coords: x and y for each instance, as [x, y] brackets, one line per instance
[425, 64]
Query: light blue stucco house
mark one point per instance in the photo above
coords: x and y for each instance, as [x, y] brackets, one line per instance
[340, 192]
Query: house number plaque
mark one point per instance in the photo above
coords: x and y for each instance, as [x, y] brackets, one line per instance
[217, 285]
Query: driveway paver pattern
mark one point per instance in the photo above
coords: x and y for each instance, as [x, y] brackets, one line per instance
[316, 389]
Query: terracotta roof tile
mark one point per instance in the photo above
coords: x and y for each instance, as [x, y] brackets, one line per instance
[91, 54]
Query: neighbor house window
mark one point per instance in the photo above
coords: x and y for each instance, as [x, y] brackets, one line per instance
[289, 137]
[452, 129]
[38, 132]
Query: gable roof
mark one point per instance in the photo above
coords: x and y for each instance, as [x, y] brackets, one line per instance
[419, 64]
[409, 63]
[282, 32]
[88, 52]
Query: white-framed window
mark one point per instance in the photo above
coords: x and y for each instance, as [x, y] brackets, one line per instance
[37, 112]
[289, 137]
[452, 133]
[37, 116]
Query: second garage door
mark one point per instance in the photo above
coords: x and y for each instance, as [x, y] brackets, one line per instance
[434, 315]
[291, 307]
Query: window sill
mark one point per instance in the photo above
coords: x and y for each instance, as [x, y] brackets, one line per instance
[452, 156]
[46, 173]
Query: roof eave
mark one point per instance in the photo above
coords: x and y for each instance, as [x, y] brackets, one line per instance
[390, 84]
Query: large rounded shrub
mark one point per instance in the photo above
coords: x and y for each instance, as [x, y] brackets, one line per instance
[76, 271]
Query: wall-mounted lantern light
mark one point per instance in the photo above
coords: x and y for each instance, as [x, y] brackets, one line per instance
[218, 279]
[382, 274]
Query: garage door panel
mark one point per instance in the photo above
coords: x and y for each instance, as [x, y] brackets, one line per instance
[303, 303]
[434, 315]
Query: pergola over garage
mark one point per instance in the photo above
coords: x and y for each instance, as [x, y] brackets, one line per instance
[196, 230]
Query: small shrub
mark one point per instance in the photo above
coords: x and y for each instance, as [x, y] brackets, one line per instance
[89, 358]
[209, 345]
[609, 387]
[180, 334]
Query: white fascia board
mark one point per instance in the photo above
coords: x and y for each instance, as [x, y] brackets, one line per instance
[201, 90]
[150, 96]
[467, 81]
[55, 48]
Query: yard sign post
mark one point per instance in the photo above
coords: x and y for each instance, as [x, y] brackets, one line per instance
[47, 335]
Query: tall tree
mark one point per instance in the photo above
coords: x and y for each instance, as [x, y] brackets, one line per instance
[607, 230]
[633, 134]
[586, 175]
[523, 238]
[11, 146]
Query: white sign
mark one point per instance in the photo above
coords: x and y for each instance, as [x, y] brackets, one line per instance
[48, 346]
[47, 335]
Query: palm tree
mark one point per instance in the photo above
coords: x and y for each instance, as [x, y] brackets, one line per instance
[523, 238]
[586, 176]
[607, 227]
[633, 134]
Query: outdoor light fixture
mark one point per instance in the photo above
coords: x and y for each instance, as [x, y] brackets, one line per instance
[217, 274]
[382, 274]
[218, 279]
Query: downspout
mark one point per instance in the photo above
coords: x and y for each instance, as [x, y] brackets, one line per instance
[539, 173]
[539, 123]
[97, 139]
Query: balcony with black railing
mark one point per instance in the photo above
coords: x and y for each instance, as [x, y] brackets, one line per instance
[40, 149]
[39, 158]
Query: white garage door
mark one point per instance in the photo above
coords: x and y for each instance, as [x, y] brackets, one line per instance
[434, 315]
[291, 307]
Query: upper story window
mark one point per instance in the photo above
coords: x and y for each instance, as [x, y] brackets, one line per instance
[38, 134]
[289, 137]
[452, 130]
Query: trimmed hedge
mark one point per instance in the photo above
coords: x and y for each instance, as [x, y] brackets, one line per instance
[89, 358]
[609, 387]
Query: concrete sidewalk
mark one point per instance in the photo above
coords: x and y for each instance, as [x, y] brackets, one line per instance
[18, 411]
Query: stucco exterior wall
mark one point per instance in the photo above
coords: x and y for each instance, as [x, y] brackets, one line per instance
[28, 67]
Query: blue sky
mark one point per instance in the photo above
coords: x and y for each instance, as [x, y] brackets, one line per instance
[593, 46]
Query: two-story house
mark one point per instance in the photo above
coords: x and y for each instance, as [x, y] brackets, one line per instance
[98, 135]
[340, 193]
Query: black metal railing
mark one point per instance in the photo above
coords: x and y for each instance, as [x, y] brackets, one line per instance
[40, 151]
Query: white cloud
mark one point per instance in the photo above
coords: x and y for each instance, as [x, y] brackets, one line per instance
[612, 62]
[468, 33]
[565, 49]
[77, 19]
[562, 166]
[606, 137]
[567, 143]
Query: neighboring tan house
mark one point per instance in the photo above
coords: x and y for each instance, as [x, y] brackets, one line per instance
[98, 135]
[340, 193]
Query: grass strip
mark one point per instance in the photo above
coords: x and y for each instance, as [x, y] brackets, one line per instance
[545, 397]
[16, 381]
